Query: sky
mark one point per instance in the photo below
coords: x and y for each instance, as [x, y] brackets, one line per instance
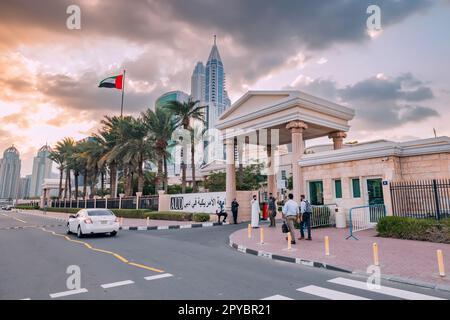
[397, 79]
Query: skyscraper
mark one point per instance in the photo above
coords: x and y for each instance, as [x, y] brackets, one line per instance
[42, 169]
[208, 86]
[10, 173]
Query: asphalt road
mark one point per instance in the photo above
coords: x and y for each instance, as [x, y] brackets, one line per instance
[182, 264]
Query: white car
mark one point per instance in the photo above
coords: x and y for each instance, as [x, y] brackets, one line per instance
[93, 221]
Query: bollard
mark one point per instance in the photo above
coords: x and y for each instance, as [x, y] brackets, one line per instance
[121, 221]
[289, 241]
[376, 260]
[148, 221]
[327, 246]
[261, 235]
[440, 258]
[249, 231]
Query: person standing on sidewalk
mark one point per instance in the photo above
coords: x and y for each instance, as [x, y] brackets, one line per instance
[255, 212]
[272, 210]
[291, 212]
[305, 217]
[234, 209]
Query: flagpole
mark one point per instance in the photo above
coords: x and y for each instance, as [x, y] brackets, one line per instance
[123, 91]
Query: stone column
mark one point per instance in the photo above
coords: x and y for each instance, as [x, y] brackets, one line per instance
[271, 174]
[138, 197]
[297, 128]
[338, 139]
[230, 174]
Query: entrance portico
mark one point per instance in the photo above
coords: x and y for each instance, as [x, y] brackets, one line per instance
[275, 118]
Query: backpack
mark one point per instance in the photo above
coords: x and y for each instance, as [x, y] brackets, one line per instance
[284, 227]
[308, 207]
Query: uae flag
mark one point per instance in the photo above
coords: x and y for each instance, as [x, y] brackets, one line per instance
[112, 82]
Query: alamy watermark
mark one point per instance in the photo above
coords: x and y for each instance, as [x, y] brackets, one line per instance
[73, 21]
[374, 20]
[74, 280]
[374, 280]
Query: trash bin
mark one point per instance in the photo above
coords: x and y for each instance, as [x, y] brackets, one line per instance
[265, 211]
[341, 219]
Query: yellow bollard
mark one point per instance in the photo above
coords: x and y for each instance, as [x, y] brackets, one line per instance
[148, 221]
[289, 241]
[376, 260]
[327, 246]
[440, 258]
[249, 231]
[261, 235]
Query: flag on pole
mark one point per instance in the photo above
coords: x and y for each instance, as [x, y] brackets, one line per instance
[115, 82]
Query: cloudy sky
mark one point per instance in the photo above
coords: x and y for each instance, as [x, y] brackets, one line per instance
[397, 80]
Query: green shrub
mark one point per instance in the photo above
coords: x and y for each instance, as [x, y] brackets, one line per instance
[415, 229]
[27, 207]
[175, 216]
[200, 217]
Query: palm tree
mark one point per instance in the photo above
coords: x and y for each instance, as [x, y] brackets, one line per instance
[58, 158]
[186, 113]
[66, 148]
[161, 126]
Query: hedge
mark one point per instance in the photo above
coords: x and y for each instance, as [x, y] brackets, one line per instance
[415, 229]
[27, 207]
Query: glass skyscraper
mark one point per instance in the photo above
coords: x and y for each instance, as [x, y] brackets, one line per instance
[10, 173]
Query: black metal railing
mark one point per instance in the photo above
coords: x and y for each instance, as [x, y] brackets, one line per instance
[424, 199]
[145, 202]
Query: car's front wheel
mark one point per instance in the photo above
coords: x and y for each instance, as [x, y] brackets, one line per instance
[113, 234]
[79, 232]
[68, 229]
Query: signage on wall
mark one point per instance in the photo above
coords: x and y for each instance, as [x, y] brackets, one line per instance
[198, 202]
[385, 183]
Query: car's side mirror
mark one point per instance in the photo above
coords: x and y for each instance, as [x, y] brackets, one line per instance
[72, 216]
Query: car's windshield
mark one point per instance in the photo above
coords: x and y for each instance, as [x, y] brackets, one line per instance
[97, 213]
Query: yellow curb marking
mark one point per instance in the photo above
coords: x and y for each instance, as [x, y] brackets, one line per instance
[117, 256]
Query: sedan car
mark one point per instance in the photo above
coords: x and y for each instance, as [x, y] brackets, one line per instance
[93, 221]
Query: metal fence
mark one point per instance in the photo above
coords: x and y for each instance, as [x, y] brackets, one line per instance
[145, 202]
[365, 217]
[323, 216]
[425, 199]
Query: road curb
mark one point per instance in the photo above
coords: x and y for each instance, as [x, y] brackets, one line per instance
[175, 227]
[322, 265]
[273, 256]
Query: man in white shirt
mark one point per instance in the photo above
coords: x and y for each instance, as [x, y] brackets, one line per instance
[291, 212]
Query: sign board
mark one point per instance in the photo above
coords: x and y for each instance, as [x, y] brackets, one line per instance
[385, 183]
[208, 202]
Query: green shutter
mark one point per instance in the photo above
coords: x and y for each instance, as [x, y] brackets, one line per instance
[356, 188]
[338, 189]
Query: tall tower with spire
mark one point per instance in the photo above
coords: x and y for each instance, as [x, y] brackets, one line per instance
[10, 173]
[208, 85]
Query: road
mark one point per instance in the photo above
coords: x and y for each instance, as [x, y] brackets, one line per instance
[194, 264]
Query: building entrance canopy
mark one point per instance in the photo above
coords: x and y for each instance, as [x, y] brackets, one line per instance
[274, 118]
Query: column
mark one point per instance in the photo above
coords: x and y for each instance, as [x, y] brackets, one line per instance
[230, 174]
[271, 174]
[338, 139]
[297, 128]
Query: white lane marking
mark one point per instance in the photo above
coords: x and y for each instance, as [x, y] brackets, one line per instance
[329, 294]
[67, 293]
[403, 294]
[159, 276]
[277, 297]
[116, 284]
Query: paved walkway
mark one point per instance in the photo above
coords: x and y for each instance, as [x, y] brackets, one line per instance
[127, 222]
[408, 259]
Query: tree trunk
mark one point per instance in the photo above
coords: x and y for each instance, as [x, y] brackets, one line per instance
[65, 187]
[70, 183]
[140, 177]
[61, 174]
[194, 183]
[160, 179]
[166, 180]
[85, 184]
[112, 183]
[102, 182]
[76, 174]
[183, 177]
[129, 182]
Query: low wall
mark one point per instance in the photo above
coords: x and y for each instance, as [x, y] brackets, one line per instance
[243, 198]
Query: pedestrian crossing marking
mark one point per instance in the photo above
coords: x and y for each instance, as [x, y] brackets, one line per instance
[329, 294]
[277, 297]
[403, 294]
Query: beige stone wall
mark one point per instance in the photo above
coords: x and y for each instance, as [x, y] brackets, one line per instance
[390, 168]
[432, 166]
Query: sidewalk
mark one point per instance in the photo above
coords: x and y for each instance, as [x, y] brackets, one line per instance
[136, 224]
[406, 259]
